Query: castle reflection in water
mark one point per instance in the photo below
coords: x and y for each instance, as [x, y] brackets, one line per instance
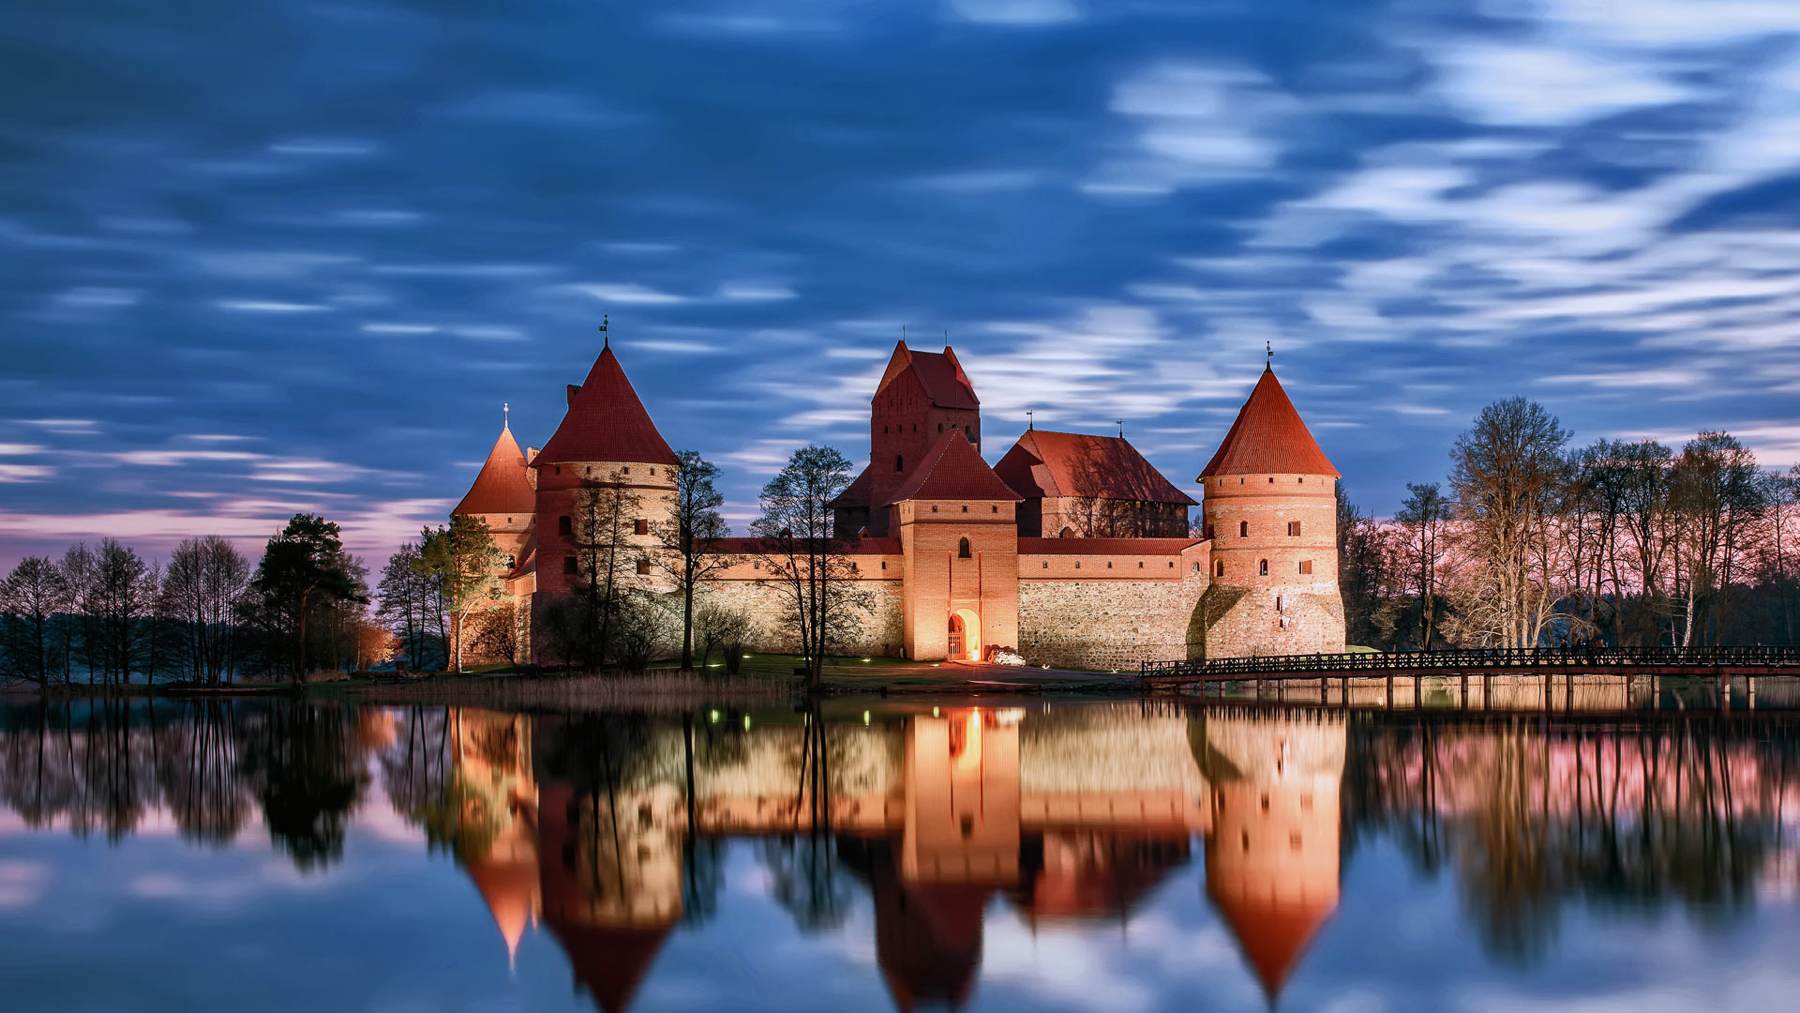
[585, 828]
[608, 833]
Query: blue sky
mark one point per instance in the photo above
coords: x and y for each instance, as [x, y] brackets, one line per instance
[262, 259]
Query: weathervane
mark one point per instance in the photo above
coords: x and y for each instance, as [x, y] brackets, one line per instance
[1121, 423]
[1268, 355]
[1029, 422]
[605, 336]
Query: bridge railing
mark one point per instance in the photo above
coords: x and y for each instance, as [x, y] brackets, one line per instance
[1482, 658]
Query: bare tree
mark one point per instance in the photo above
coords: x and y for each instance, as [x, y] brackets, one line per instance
[1425, 517]
[31, 598]
[686, 537]
[202, 590]
[1508, 472]
[605, 516]
[808, 561]
[1715, 496]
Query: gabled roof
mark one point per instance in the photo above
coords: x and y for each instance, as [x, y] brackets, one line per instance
[606, 422]
[856, 494]
[1269, 438]
[952, 470]
[501, 487]
[942, 376]
[1048, 463]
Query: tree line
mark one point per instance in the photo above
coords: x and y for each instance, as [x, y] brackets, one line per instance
[1531, 541]
[105, 617]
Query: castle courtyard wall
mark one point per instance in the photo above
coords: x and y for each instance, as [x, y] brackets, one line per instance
[766, 603]
[1105, 624]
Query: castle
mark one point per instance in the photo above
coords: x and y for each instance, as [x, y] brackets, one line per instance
[1073, 549]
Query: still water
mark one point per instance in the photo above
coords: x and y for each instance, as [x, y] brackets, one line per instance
[249, 855]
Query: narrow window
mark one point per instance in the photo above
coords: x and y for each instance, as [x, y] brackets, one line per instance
[899, 463]
[1293, 529]
[962, 549]
[643, 566]
[940, 427]
[1306, 566]
[640, 526]
[565, 526]
[568, 564]
[1271, 479]
[1243, 529]
[965, 508]
[1262, 568]
[1218, 568]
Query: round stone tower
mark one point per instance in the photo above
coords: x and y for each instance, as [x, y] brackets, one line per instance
[1270, 511]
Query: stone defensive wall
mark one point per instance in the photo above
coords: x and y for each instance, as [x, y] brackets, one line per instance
[1092, 603]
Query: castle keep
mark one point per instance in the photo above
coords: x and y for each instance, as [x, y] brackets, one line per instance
[1073, 549]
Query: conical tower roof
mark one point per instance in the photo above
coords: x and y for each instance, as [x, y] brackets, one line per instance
[502, 486]
[606, 422]
[1269, 438]
[1273, 934]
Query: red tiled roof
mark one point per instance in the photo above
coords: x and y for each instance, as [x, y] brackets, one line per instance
[1049, 463]
[1273, 935]
[606, 422]
[939, 373]
[953, 470]
[501, 487]
[610, 963]
[856, 493]
[1269, 438]
[1105, 546]
[752, 545]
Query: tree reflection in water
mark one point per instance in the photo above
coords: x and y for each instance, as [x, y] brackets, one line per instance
[612, 832]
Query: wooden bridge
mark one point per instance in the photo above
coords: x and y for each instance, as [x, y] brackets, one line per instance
[1722, 663]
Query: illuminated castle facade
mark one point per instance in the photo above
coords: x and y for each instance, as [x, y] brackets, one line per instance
[1072, 549]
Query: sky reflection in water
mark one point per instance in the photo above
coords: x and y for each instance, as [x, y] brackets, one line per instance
[250, 855]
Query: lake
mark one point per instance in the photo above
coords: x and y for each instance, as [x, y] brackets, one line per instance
[1144, 855]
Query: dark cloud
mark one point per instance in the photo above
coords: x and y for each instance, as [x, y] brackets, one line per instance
[346, 233]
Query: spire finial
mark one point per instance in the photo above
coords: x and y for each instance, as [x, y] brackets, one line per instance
[1030, 423]
[903, 334]
[1268, 355]
[1121, 423]
[946, 338]
[505, 414]
[605, 331]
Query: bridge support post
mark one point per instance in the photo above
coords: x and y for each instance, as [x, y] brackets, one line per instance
[1390, 692]
[1344, 689]
[1324, 691]
[1465, 691]
[1750, 690]
[1418, 679]
[1487, 691]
